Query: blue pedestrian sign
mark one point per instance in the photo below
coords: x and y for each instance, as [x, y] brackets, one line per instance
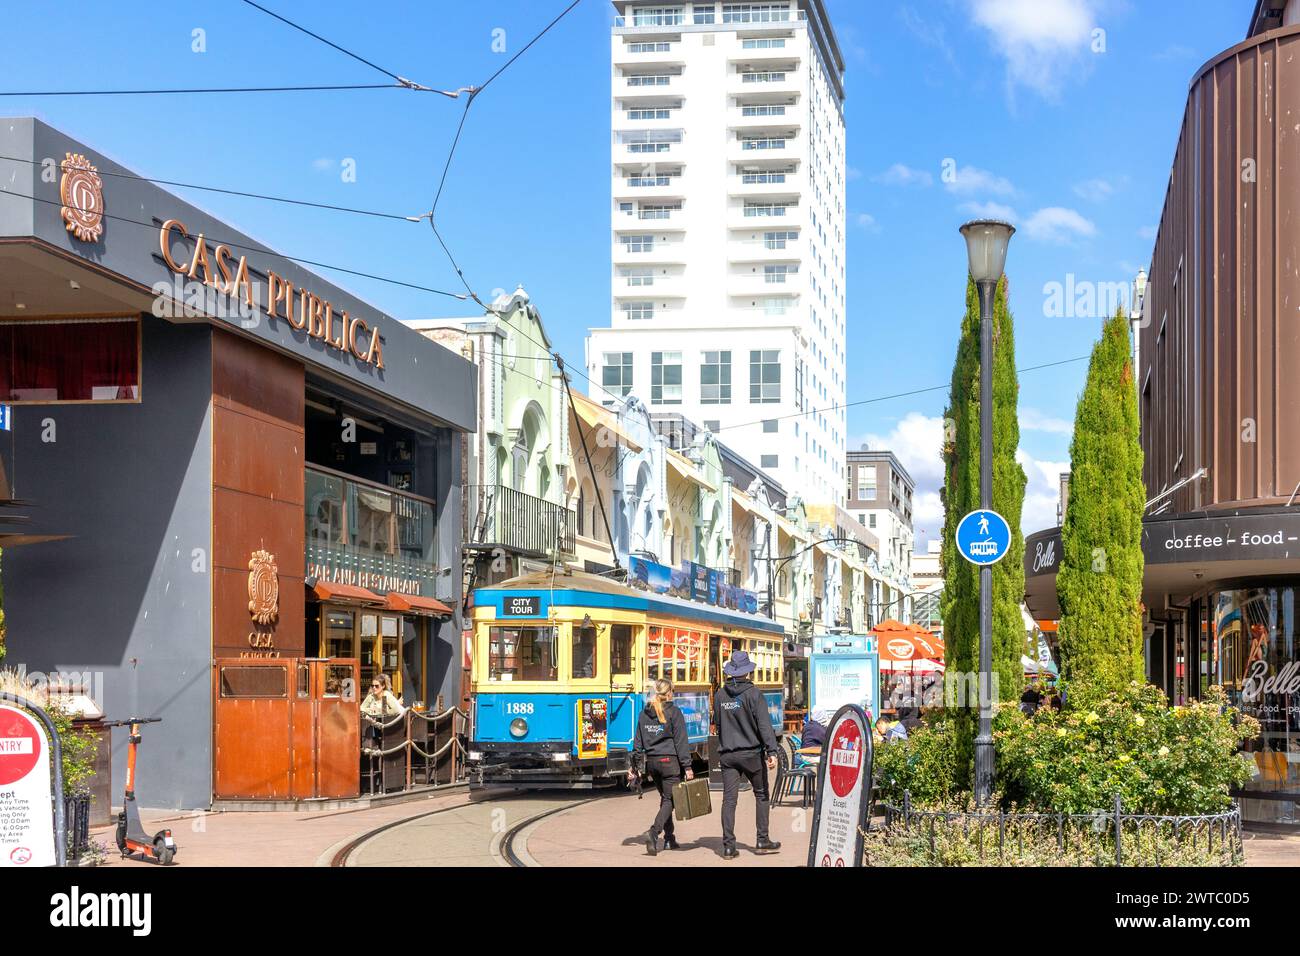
[983, 537]
[4, 418]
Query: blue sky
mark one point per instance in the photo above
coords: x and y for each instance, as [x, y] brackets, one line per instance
[1062, 114]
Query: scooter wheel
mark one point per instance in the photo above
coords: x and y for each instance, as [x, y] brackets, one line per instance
[163, 853]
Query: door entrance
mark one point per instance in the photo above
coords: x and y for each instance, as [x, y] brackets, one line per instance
[285, 729]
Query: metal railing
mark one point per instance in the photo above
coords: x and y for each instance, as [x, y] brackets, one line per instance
[413, 750]
[519, 522]
[1109, 831]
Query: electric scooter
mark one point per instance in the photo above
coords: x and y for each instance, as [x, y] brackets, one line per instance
[131, 838]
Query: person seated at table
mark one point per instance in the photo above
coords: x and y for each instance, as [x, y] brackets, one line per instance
[887, 731]
[813, 733]
[381, 701]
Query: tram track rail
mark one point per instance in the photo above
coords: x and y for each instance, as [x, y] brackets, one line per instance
[514, 855]
[508, 839]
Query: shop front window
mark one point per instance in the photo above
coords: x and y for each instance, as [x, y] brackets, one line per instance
[70, 360]
[1250, 647]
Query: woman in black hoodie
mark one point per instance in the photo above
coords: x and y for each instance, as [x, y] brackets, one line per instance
[661, 741]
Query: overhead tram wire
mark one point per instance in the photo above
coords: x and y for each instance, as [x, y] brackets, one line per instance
[248, 248]
[221, 89]
[400, 80]
[474, 91]
[236, 192]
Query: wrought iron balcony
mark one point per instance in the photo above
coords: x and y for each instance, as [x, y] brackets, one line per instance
[500, 517]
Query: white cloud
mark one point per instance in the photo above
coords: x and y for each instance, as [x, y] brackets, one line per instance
[324, 164]
[1031, 419]
[971, 181]
[1059, 225]
[902, 175]
[917, 440]
[1042, 491]
[1041, 40]
[1148, 233]
[1094, 190]
[868, 222]
[990, 210]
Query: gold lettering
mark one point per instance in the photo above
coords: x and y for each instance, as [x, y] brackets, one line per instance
[375, 356]
[278, 291]
[316, 324]
[352, 337]
[241, 278]
[222, 254]
[164, 242]
[201, 256]
[329, 327]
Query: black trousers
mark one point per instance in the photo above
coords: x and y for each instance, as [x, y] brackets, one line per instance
[750, 765]
[666, 772]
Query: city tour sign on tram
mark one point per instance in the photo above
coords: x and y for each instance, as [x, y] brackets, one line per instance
[26, 811]
[843, 788]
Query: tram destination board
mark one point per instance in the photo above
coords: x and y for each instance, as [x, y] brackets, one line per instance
[512, 606]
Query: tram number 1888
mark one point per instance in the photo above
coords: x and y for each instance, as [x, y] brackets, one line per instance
[522, 707]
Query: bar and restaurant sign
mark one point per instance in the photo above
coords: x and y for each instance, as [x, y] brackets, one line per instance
[379, 573]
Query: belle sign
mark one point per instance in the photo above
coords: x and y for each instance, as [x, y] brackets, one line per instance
[843, 785]
[26, 820]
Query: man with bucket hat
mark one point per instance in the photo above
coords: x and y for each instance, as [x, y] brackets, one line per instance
[745, 738]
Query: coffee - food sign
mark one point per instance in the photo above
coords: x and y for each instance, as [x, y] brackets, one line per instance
[218, 268]
[26, 813]
[843, 788]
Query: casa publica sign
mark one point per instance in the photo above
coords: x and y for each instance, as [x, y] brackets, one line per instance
[217, 268]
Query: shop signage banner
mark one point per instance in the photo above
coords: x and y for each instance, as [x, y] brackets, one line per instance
[1226, 538]
[26, 812]
[692, 582]
[843, 785]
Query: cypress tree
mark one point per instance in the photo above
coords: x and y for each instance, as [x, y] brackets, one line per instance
[961, 495]
[1099, 583]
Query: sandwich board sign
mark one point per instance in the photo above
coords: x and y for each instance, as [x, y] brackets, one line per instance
[843, 791]
[983, 537]
[26, 814]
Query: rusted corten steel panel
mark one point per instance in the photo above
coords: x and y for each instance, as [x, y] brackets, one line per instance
[1219, 351]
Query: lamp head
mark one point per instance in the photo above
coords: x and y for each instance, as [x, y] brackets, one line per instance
[986, 247]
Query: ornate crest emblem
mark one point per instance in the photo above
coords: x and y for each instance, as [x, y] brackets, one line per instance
[82, 192]
[263, 588]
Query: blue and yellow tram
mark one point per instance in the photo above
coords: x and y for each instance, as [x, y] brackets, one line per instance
[559, 664]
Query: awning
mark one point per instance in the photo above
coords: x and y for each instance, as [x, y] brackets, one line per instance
[745, 502]
[684, 467]
[417, 604]
[328, 591]
[598, 418]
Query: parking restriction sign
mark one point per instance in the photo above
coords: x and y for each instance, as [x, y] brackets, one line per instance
[26, 815]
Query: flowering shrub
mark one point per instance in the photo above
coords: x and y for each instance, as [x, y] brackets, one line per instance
[925, 765]
[1160, 760]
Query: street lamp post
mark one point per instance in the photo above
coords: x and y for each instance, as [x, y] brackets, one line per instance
[986, 249]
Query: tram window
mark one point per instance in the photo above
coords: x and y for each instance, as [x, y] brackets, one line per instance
[620, 649]
[584, 652]
[522, 653]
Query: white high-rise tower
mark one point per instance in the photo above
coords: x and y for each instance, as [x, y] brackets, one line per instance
[728, 238]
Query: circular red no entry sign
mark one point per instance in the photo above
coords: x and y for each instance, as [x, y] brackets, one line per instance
[846, 756]
[20, 746]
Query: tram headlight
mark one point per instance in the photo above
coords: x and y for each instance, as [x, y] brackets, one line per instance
[518, 727]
